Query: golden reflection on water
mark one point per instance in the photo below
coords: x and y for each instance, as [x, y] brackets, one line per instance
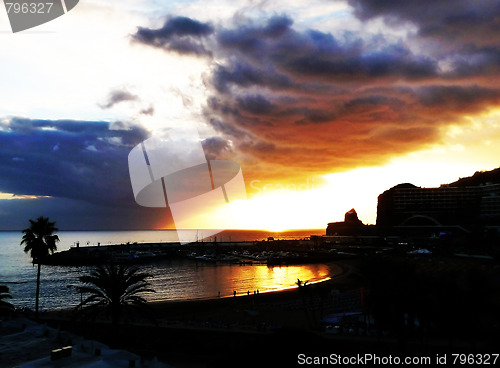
[280, 277]
[246, 279]
[193, 280]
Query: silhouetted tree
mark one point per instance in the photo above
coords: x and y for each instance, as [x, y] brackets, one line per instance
[39, 240]
[302, 292]
[5, 307]
[114, 289]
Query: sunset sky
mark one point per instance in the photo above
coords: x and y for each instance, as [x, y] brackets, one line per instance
[324, 104]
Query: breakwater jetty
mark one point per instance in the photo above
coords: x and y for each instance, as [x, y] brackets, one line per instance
[270, 252]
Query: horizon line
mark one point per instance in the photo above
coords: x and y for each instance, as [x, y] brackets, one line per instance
[221, 230]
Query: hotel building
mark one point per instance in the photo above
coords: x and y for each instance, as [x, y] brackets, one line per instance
[467, 208]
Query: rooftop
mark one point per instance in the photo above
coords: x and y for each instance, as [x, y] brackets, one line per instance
[26, 344]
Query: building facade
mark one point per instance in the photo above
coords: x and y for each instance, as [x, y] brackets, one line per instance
[466, 207]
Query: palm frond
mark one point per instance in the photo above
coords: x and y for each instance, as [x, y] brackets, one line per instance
[114, 290]
[4, 294]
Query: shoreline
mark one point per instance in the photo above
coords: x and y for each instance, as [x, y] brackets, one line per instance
[336, 270]
[244, 294]
[339, 281]
[206, 299]
[346, 268]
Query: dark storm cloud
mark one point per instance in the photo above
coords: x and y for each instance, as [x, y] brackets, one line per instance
[295, 100]
[466, 31]
[71, 214]
[215, 146]
[455, 98]
[288, 55]
[250, 39]
[81, 160]
[179, 34]
[273, 53]
[227, 129]
[244, 74]
[314, 116]
[346, 64]
[255, 104]
[458, 21]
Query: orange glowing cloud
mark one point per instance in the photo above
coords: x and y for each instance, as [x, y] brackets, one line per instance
[291, 103]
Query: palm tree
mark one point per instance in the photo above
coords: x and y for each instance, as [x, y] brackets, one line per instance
[302, 286]
[114, 290]
[39, 241]
[5, 307]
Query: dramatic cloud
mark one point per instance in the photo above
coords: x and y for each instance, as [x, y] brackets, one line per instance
[75, 172]
[180, 34]
[464, 34]
[82, 160]
[215, 147]
[297, 102]
[460, 22]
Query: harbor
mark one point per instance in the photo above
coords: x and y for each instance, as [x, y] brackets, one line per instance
[270, 252]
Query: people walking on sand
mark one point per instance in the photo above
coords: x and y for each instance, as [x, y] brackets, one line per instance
[234, 292]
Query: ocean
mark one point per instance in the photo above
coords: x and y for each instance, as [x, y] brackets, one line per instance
[173, 279]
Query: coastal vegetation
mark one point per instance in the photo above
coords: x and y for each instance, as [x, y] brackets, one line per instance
[115, 292]
[6, 308]
[303, 288]
[39, 241]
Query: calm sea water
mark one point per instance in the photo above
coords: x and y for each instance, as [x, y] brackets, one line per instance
[175, 279]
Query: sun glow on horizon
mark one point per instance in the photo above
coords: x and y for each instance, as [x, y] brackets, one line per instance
[12, 196]
[290, 206]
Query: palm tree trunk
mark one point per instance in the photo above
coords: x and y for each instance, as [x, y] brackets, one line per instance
[37, 290]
